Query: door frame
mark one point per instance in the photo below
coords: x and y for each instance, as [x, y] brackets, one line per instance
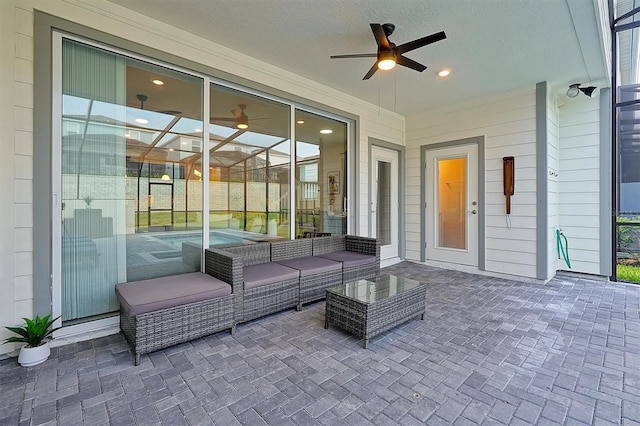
[401, 190]
[479, 141]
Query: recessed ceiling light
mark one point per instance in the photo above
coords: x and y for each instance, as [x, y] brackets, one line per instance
[326, 131]
[141, 121]
[444, 73]
[300, 121]
[158, 82]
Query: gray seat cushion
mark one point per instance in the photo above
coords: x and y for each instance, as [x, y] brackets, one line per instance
[139, 297]
[349, 258]
[311, 265]
[267, 273]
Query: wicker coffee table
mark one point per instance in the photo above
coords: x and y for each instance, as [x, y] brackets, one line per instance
[367, 308]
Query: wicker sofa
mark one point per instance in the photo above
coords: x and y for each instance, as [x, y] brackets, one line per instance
[161, 312]
[275, 276]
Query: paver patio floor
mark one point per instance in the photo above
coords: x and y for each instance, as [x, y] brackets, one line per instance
[490, 351]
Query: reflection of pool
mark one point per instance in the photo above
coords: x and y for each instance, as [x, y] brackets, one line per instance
[215, 239]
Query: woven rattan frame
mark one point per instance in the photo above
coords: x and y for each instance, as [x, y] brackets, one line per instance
[356, 244]
[324, 245]
[291, 249]
[251, 303]
[227, 266]
[313, 287]
[160, 329]
[367, 320]
[270, 298]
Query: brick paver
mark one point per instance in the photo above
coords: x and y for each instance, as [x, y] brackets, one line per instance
[490, 351]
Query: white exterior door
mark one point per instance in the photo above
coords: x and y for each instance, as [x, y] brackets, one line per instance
[384, 200]
[452, 205]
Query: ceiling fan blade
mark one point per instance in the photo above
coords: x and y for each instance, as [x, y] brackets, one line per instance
[380, 36]
[410, 63]
[372, 71]
[357, 55]
[222, 119]
[407, 47]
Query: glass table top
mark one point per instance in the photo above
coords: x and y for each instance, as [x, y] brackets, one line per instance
[370, 291]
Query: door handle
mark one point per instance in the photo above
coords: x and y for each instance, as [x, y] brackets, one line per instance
[473, 212]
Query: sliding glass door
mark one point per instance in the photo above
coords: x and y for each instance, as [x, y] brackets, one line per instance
[130, 133]
[138, 198]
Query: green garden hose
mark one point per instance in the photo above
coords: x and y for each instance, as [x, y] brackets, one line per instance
[564, 250]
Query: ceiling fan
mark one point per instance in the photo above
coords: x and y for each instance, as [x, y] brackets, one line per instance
[389, 54]
[239, 117]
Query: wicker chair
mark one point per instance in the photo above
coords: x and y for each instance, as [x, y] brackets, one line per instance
[277, 290]
[348, 248]
[316, 274]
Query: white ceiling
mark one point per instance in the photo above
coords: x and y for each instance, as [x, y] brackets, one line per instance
[492, 46]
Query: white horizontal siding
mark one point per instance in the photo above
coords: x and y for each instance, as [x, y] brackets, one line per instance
[508, 123]
[579, 183]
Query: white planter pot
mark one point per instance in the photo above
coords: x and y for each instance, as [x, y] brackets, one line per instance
[33, 356]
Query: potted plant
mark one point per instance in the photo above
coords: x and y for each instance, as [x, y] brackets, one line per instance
[36, 333]
[87, 200]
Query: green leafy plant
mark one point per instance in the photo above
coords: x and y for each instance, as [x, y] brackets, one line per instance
[88, 199]
[34, 332]
[628, 273]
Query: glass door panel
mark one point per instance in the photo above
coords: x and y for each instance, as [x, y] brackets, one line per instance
[321, 180]
[451, 210]
[384, 215]
[383, 202]
[452, 205]
[249, 160]
[126, 141]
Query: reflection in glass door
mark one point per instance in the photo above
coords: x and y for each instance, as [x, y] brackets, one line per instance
[321, 178]
[160, 206]
[249, 167]
[130, 137]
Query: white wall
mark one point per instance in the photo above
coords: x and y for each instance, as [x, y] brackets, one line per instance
[553, 160]
[508, 123]
[16, 122]
[16, 119]
[579, 187]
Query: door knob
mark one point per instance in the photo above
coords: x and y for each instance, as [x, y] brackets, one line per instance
[474, 211]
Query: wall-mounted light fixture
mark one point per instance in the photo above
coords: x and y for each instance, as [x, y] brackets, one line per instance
[574, 89]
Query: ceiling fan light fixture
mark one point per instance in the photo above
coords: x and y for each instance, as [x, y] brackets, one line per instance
[165, 177]
[386, 61]
[242, 122]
